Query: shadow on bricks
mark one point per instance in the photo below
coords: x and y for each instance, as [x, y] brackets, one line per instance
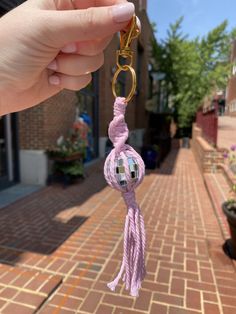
[43, 221]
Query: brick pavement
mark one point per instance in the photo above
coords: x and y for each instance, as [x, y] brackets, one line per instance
[59, 248]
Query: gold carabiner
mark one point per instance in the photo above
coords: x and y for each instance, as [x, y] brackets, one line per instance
[126, 37]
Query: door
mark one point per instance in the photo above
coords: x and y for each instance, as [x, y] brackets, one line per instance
[9, 170]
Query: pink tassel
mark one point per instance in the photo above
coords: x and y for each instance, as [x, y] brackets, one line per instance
[124, 170]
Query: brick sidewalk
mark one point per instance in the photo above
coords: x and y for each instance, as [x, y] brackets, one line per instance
[59, 248]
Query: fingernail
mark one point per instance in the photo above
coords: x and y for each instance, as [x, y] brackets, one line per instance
[69, 48]
[139, 24]
[54, 80]
[53, 65]
[122, 12]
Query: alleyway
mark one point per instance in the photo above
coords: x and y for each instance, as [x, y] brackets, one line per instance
[59, 248]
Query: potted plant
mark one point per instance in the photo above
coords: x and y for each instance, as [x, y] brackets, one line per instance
[68, 157]
[229, 207]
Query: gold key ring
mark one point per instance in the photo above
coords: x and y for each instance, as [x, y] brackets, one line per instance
[125, 68]
[125, 52]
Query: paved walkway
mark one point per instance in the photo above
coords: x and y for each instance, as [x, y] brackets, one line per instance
[16, 192]
[59, 248]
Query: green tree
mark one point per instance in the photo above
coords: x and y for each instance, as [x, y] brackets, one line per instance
[193, 68]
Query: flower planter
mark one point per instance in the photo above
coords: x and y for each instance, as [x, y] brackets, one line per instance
[73, 157]
[229, 247]
[66, 169]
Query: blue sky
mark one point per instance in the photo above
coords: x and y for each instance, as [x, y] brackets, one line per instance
[200, 16]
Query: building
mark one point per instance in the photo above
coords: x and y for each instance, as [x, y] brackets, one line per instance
[25, 136]
[231, 89]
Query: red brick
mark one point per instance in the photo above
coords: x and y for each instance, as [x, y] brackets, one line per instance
[193, 299]
[158, 308]
[91, 302]
[65, 301]
[168, 299]
[143, 301]
[227, 291]
[211, 297]
[152, 266]
[76, 292]
[201, 286]
[228, 310]
[126, 311]
[156, 287]
[229, 301]
[29, 299]
[210, 308]
[178, 310]
[191, 266]
[17, 308]
[104, 309]
[51, 285]
[118, 300]
[178, 286]
[163, 275]
[185, 275]
[8, 293]
[206, 275]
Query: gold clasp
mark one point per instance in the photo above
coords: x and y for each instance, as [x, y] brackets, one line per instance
[126, 38]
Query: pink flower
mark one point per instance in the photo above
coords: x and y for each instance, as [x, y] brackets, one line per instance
[225, 155]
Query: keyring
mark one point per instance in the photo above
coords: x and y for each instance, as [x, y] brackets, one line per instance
[125, 52]
[125, 68]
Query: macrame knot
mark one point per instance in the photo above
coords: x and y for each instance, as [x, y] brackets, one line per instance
[118, 131]
[124, 170]
[129, 198]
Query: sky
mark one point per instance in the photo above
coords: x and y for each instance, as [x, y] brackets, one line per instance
[200, 16]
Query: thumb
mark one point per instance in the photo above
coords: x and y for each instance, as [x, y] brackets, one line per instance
[88, 24]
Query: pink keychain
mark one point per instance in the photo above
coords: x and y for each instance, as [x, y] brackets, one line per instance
[124, 170]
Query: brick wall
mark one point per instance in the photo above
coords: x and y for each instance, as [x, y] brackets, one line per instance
[208, 122]
[40, 127]
[207, 157]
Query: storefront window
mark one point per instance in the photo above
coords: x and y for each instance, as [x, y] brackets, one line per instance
[88, 112]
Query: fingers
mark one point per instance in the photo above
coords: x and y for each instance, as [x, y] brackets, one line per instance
[75, 65]
[88, 48]
[85, 4]
[70, 82]
[84, 25]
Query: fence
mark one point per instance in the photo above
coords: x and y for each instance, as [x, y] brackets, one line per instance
[208, 122]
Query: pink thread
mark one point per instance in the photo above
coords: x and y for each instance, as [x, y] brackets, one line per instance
[133, 263]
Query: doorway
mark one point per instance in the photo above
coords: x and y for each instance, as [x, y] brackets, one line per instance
[9, 159]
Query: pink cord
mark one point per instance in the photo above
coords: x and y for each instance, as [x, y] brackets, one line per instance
[133, 263]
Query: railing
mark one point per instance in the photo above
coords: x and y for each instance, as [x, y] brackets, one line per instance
[208, 122]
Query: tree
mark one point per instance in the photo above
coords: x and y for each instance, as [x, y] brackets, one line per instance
[193, 68]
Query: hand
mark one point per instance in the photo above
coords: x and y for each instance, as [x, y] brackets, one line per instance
[49, 45]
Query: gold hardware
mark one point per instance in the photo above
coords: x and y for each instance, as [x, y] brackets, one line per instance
[126, 37]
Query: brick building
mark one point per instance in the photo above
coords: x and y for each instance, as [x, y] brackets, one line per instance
[231, 89]
[25, 136]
